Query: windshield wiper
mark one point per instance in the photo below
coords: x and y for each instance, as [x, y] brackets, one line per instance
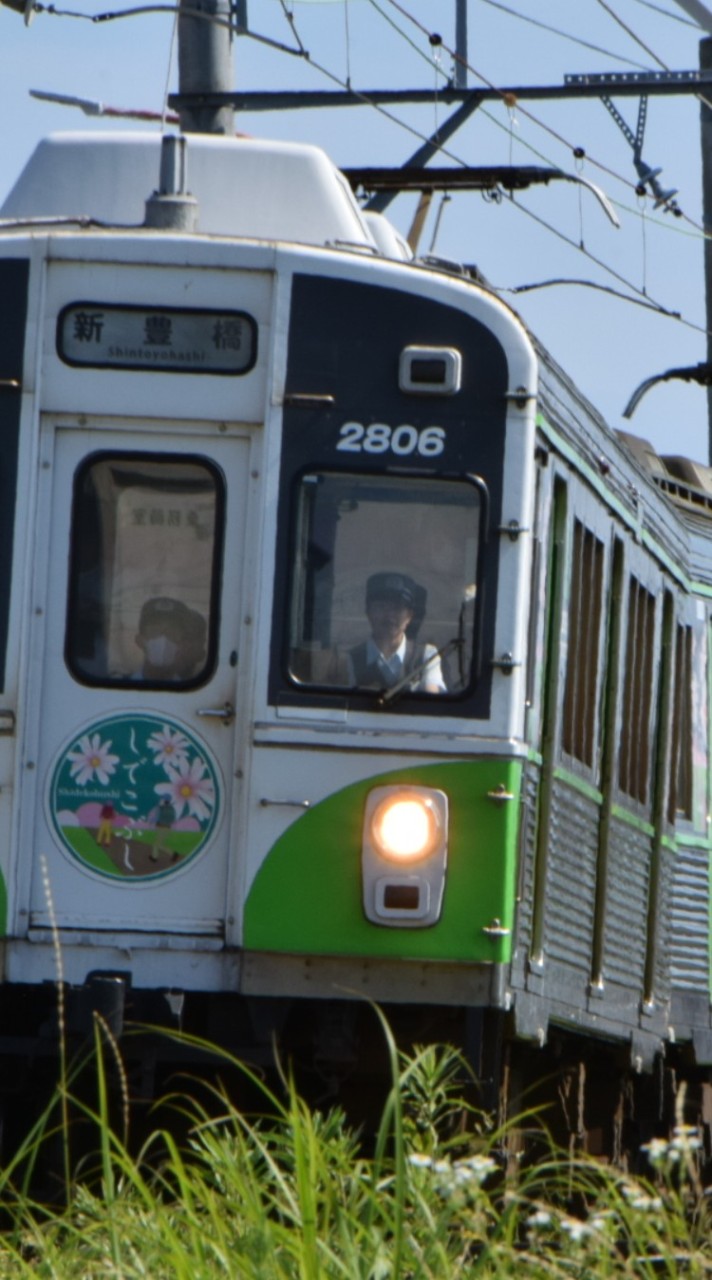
[389, 695]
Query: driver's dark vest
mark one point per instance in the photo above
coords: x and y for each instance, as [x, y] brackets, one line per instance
[373, 673]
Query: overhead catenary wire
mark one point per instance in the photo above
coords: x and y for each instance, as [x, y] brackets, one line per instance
[347, 34]
[565, 35]
[638, 293]
[664, 66]
[404, 36]
[496, 4]
[643, 302]
[171, 52]
[629, 32]
[525, 111]
[676, 17]
[301, 51]
[136, 11]
[554, 133]
[641, 295]
[616, 275]
[293, 26]
[115, 15]
[637, 296]
[530, 115]
[526, 144]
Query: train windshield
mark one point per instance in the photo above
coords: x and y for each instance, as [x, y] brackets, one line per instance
[384, 583]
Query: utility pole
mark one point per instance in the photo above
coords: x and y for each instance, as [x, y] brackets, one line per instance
[701, 14]
[699, 11]
[460, 77]
[205, 64]
[706, 143]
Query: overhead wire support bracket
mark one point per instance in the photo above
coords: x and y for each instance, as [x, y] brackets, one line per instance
[629, 85]
[380, 201]
[628, 81]
[647, 176]
[412, 177]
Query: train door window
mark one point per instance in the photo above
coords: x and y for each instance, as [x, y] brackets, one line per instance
[144, 564]
[638, 692]
[584, 631]
[384, 582]
[680, 785]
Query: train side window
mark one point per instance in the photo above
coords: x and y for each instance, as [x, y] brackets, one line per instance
[638, 688]
[384, 582]
[579, 716]
[146, 545]
[680, 787]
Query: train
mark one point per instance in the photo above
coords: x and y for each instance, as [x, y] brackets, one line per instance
[348, 656]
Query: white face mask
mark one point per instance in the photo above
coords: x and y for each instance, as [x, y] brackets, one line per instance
[160, 651]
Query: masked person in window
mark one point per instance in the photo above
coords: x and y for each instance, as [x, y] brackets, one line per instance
[172, 639]
[389, 654]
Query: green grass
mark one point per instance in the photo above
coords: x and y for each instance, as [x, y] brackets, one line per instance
[289, 1193]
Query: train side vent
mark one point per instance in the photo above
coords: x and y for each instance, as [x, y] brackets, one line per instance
[643, 452]
[695, 474]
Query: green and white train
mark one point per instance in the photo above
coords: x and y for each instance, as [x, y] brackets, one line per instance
[232, 420]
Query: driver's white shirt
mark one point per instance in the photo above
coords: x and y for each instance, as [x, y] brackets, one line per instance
[431, 674]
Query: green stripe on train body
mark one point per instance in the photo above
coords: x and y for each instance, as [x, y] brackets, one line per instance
[307, 897]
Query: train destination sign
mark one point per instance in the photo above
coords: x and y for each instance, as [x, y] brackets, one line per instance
[160, 339]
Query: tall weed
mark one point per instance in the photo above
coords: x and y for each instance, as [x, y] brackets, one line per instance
[289, 1194]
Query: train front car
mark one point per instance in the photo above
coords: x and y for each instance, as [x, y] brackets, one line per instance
[265, 605]
[394, 713]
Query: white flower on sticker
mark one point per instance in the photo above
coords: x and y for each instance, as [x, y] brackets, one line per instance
[169, 745]
[92, 758]
[188, 788]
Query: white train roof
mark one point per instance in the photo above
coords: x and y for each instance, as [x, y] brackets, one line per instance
[244, 186]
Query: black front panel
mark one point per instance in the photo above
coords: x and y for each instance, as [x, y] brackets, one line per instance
[344, 413]
[14, 276]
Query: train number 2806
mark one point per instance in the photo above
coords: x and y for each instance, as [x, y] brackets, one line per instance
[354, 437]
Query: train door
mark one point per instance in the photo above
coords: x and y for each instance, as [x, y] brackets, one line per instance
[136, 655]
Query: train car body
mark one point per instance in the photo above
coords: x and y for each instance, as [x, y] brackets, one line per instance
[222, 438]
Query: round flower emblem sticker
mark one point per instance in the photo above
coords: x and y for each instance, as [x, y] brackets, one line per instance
[134, 797]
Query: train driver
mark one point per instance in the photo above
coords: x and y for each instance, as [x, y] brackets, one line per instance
[172, 639]
[390, 654]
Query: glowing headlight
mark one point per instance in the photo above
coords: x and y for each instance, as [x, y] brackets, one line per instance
[404, 855]
[405, 827]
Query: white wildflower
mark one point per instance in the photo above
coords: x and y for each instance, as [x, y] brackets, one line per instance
[657, 1152]
[576, 1230]
[602, 1219]
[476, 1169]
[647, 1204]
[540, 1218]
[419, 1160]
[686, 1138]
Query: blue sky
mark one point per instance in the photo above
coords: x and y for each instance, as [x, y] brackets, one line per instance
[607, 345]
